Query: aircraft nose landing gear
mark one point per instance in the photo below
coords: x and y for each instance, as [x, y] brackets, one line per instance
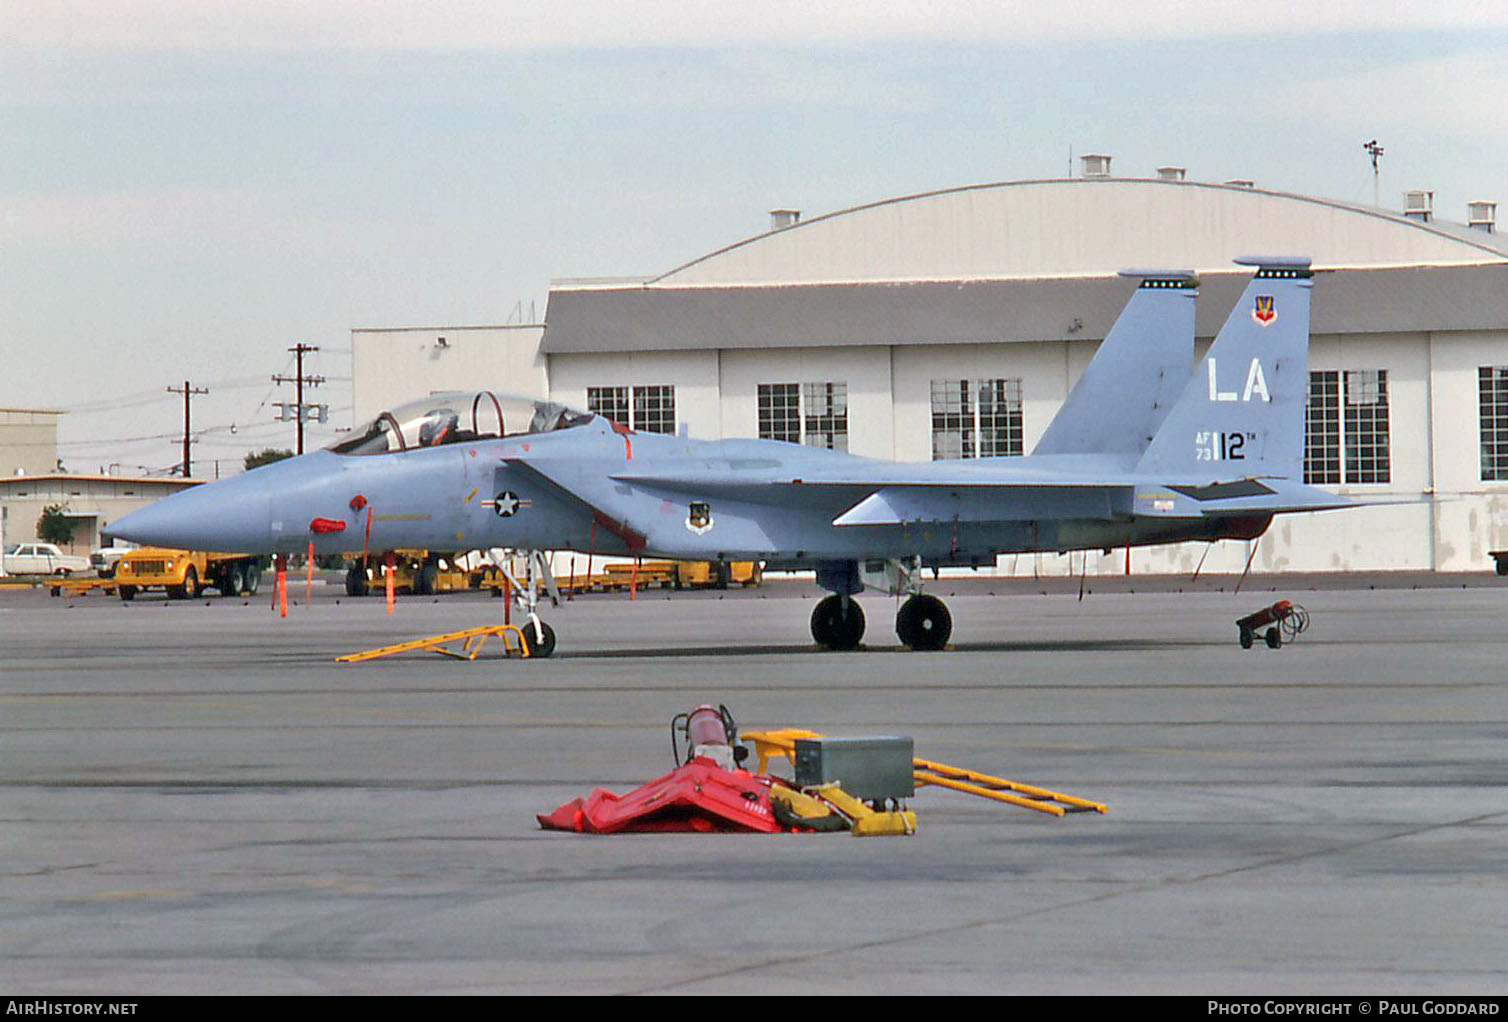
[924, 623]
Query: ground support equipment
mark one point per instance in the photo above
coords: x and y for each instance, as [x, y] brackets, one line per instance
[1283, 621]
[827, 807]
[971, 782]
[82, 587]
[768, 744]
[471, 640]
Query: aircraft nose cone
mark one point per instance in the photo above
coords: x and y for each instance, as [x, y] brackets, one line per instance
[230, 516]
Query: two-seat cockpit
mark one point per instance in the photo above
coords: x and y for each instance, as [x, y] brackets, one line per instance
[458, 417]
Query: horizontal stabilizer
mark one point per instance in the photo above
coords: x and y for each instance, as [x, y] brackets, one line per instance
[1241, 496]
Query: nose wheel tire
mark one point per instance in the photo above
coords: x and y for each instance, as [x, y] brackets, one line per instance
[542, 645]
[838, 623]
[923, 622]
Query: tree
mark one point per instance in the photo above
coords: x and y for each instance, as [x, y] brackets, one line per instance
[54, 526]
[266, 457]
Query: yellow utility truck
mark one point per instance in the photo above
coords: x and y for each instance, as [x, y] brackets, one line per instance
[185, 573]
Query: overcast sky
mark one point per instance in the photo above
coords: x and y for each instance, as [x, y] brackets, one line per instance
[188, 188]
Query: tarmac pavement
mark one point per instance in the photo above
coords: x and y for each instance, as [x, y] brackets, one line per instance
[195, 798]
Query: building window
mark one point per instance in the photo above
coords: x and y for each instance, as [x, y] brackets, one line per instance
[1492, 403]
[1346, 428]
[976, 418]
[648, 409]
[654, 409]
[1366, 426]
[815, 414]
[1322, 429]
[780, 412]
[608, 402]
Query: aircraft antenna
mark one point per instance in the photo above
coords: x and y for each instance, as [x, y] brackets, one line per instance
[1375, 151]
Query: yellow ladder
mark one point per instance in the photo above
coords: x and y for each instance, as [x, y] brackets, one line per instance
[472, 640]
[768, 744]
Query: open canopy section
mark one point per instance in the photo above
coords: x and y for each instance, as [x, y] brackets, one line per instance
[456, 418]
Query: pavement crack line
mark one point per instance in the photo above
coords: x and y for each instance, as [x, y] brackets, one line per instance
[1135, 889]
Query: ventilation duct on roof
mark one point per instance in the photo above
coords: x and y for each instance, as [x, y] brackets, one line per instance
[1241, 182]
[1170, 173]
[1419, 204]
[1095, 164]
[1482, 215]
[780, 219]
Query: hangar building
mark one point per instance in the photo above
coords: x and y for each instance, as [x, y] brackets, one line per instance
[953, 324]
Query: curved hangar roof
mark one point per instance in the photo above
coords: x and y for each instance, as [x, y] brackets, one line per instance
[1023, 260]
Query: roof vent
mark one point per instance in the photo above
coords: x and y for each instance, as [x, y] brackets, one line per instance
[1170, 173]
[1482, 215]
[1096, 165]
[780, 219]
[1419, 205]
[1241, 182]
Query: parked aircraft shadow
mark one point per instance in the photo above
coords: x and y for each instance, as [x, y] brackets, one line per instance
[1119, 645]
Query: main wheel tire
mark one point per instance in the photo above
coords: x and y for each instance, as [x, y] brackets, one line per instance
[233, 581]
[253, 578]
[356, 581]
[190, 584]
[544, 644]
[923, 622]
[837, 626]
[429, 578]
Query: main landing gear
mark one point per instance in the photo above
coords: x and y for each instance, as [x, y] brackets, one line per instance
[838, 623]
[922, 623]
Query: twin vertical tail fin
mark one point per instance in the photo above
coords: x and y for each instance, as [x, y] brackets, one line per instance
[1241, 415]
[1136, 374]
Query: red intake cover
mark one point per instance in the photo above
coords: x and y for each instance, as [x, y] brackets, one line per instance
[698, 798]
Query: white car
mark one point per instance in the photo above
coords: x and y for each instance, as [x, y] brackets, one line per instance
[104, 560]
[42, 559]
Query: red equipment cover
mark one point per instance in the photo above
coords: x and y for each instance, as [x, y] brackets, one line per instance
[700, 797]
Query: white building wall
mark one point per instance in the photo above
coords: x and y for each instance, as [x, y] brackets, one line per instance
[393, 365]
[1040, 367]
[1471, 516]
[866, 371]
[694, 374]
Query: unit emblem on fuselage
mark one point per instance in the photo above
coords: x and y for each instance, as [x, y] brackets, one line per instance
[699, 517]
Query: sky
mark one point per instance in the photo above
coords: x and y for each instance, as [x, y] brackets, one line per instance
[190, 188]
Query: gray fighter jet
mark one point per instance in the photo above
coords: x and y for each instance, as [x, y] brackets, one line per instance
[1140, 453]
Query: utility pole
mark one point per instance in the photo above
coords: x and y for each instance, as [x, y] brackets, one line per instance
[188, 393]
[300, 410]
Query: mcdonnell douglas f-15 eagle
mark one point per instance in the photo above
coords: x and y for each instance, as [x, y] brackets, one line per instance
[1140, 453]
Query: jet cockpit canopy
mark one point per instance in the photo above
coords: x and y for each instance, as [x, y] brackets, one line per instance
[458, 417]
